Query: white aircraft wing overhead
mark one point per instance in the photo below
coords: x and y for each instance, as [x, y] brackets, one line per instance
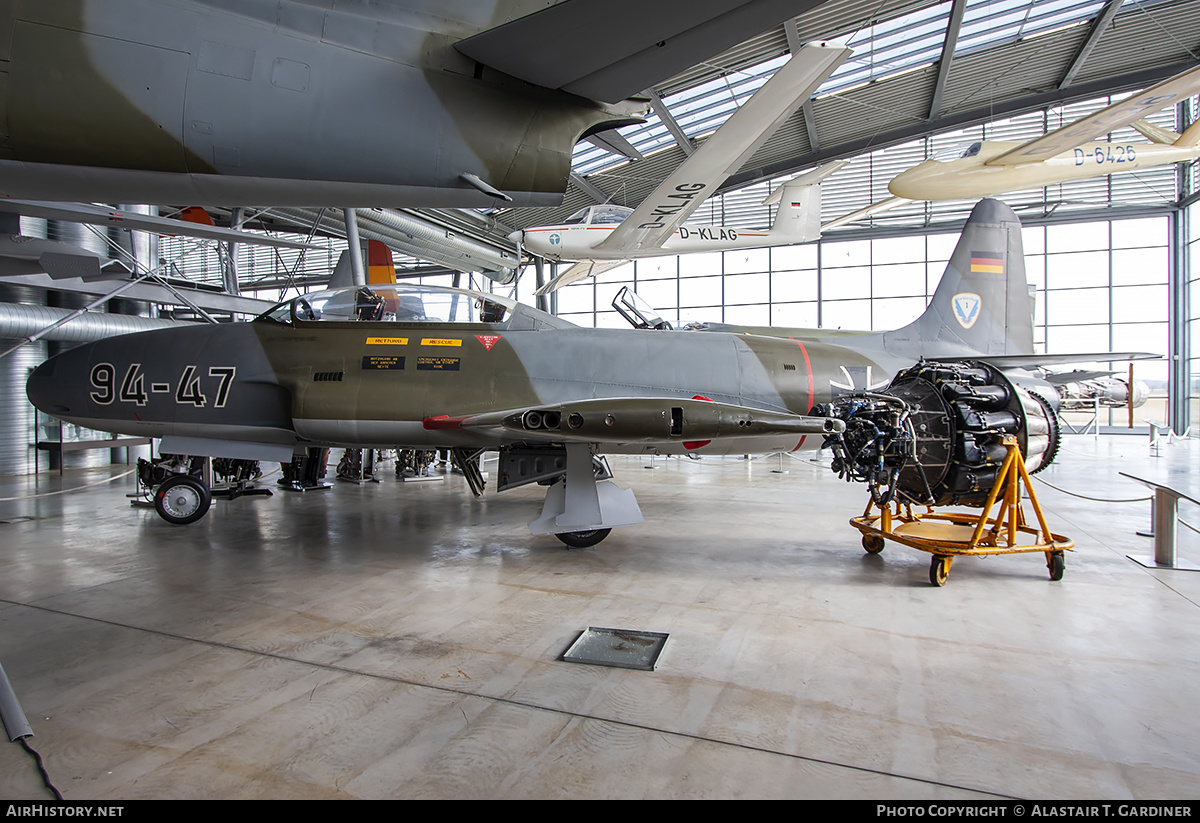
[104, 216]
[865, 212]
[582, 269]
[725, 151]
[1098, 124]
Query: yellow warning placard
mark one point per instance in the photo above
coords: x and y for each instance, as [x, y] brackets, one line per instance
[387, 341]
[440, 341]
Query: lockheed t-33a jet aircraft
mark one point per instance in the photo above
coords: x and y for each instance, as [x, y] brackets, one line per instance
[427, 367]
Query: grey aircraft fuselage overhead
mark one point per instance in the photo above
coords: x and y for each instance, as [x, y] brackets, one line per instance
[356, 103]
[426, 367]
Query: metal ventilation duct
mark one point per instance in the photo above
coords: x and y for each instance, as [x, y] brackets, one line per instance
[19, 321]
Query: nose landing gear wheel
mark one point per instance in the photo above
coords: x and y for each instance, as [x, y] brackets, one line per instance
[182, 499]
[583, 540]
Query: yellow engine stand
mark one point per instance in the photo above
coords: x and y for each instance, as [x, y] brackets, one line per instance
[953, 534]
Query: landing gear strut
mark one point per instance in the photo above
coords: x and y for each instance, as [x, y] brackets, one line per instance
[580, 509]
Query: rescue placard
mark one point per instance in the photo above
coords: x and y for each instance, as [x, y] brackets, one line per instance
[437, 363]
[382, 361]
[440, 341]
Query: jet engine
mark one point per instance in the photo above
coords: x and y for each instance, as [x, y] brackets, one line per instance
[933, 436]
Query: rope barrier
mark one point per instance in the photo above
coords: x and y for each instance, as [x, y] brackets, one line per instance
[65, 491]
[1093, 499]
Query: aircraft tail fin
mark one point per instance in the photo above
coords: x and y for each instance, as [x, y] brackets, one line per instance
[1190, 137]
[798, 218]
[982, 306]
[381, 270]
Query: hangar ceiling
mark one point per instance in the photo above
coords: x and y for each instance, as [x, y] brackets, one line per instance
[919, 68]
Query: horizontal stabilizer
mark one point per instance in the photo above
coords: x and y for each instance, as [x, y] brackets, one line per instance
[809, 178]
[1032, 361]
[1155, 133]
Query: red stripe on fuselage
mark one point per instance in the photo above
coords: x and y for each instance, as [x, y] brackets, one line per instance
[808, 369]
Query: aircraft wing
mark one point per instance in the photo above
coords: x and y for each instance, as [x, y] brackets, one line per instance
[725, 151]
[582, 269]
[615, 50]
[864, 213]
[638, 420]
[104, 216]
[1098, 124]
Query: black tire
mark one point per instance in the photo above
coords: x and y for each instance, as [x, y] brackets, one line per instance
[182, 499]
[939, 570]
[583, 540]
[873, 543]
[1057, 565]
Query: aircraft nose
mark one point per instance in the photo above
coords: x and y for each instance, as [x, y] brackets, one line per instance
[44, 392]
[911, 183]
[517, 236]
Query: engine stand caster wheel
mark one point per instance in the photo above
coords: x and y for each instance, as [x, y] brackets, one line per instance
[1057, 564]
[939, 569]
[873, 543]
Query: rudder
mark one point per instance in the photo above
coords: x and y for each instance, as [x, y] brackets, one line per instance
[982, 304]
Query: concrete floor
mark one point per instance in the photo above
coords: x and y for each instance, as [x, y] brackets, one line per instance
[401, 641]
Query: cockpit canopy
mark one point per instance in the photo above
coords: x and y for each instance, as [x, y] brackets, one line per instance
[603, 215]
[394, 304]
[958, 151]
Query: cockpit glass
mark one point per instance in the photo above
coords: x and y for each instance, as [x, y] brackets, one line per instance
[958, 151]
[609, 215]
[576, 218]
[394, 304]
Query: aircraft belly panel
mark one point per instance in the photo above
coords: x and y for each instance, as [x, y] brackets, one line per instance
[80, 99]
[284, 109]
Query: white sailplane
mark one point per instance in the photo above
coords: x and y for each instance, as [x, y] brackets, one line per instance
[986, 168]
